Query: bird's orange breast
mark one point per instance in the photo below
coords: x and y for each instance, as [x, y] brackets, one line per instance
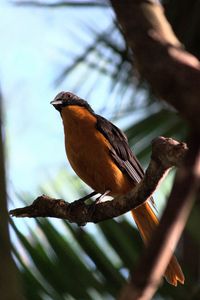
[88, 153]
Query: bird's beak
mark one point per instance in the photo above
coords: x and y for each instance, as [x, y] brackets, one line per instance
[57, 103]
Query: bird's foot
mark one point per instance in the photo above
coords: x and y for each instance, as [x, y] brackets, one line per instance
[80, 202]
[98, 200]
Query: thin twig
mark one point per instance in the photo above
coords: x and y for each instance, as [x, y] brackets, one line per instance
[61, 4]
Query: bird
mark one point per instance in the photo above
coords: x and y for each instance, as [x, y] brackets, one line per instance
[99, 153]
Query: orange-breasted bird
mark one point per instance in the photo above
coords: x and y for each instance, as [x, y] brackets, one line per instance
[99, 153]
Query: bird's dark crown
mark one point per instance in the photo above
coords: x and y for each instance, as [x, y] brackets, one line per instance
[63, 99]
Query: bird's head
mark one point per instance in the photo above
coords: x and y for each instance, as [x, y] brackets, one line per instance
[64, 99]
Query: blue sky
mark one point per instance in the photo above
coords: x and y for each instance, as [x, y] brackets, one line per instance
[35, 45]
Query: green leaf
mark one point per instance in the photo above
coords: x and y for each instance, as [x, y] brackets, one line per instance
[112, 279]
[72, 265]
[124, 243]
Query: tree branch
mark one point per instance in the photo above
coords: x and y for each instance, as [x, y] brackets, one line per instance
[166, 153]
[61, 4]
[174, 75]
[156, 258]
[172, 72]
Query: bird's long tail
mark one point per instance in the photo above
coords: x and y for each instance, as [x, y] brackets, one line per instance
[146, 222]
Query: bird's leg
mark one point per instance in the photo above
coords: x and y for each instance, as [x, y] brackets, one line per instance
[87, 196]
[92, 207]
[80, 202]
